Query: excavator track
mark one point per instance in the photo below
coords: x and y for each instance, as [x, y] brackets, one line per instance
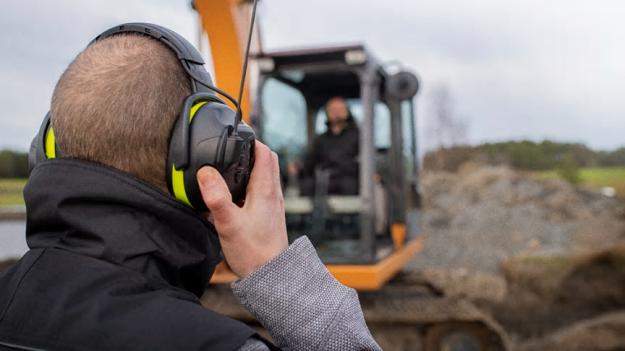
[409, 313]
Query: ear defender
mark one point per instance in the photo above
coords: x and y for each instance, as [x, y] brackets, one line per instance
[207, 131]
[43, 146]
[204, 136]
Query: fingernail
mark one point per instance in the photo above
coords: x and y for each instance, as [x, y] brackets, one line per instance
[206, 177]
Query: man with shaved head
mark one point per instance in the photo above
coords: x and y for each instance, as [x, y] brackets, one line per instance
[117, 263]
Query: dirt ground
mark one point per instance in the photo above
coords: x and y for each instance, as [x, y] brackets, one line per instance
[565, 299]
[546, 259]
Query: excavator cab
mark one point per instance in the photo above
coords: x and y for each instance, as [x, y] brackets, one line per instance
[293, 89]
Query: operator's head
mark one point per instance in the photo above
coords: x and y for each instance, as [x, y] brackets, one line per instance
[117, 102]
[337, 111]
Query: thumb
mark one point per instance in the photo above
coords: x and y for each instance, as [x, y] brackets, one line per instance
[216, 194]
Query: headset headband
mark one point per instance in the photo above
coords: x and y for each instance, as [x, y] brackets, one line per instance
[189, 57]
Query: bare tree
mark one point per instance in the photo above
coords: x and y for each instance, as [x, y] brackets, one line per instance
[446, 128]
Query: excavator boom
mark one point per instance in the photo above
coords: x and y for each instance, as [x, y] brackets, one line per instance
[226, 23]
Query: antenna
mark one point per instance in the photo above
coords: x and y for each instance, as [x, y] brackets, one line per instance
[237, 117]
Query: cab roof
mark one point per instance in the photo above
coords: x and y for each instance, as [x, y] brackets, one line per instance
[320, 72]
[315, 55]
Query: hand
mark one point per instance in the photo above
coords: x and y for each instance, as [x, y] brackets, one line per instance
[251, 235]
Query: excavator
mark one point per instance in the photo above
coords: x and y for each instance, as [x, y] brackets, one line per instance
[365, 240]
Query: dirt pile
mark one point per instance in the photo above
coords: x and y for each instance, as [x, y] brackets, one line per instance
[544, 258]
[548, 294]
[480, 216]
[603, 333]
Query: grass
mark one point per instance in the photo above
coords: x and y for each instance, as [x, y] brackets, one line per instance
[596, 177]
[11, 192]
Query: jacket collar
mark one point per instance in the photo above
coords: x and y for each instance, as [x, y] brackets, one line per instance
[101, 212]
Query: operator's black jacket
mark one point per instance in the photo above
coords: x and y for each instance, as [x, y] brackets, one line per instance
[114, 265]
[337, 154]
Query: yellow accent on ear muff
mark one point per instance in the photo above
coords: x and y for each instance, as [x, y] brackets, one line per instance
[50, 144]
[177, 176]
[194, 109]
[177, 182]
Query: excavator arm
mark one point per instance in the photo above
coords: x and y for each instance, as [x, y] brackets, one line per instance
[226, 23]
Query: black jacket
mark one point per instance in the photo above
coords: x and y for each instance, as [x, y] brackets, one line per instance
[114, 265]
[337, 154]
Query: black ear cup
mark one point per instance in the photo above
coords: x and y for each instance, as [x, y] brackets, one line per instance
[203, 135]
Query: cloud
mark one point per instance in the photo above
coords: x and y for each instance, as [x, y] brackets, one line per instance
[40, 38]
[516, 69]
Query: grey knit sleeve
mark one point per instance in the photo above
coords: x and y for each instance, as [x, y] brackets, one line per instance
[254, 344]
[301, 304]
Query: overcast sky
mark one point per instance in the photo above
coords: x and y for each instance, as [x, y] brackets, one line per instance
[516, 69]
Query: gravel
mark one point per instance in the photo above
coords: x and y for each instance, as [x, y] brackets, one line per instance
[481, 216]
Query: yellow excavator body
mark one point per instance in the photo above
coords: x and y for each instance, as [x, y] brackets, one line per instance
[403, 310]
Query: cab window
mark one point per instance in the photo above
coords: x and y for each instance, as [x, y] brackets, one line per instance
[381, 121]
[284, 119]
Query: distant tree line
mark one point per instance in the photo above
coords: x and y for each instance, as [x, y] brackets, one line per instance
[525, 155]
[13, 164]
